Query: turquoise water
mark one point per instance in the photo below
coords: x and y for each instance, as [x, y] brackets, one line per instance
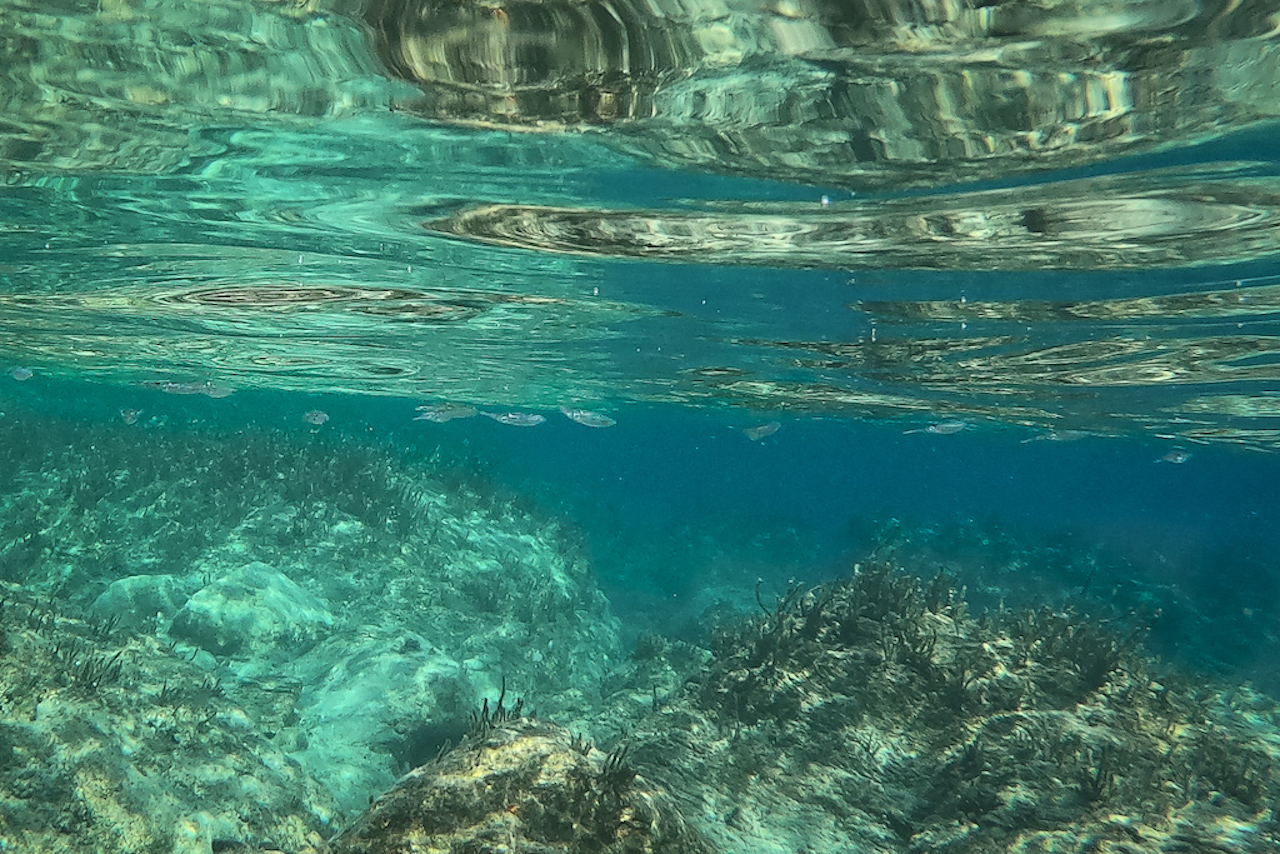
[753, 319]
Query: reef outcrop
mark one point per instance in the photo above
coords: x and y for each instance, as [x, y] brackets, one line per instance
[874, 714]
[517, 784]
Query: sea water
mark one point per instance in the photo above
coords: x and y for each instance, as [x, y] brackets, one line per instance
[880, 444]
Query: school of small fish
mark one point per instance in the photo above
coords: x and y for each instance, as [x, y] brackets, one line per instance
[206, 388]
[443, 412]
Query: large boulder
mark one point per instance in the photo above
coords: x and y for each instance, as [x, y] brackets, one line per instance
[522, 785]
[378, 706]
[253, 611]
[137, 602]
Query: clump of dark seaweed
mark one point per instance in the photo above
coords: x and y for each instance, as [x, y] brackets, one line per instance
[102, 630]
[486, 719]
[617, 773]
[961, 733]
[880, 618]
[599, 794]
[86, 669]
[579, 743]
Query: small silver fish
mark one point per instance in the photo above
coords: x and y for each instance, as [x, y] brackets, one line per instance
[21, 374]
[587, 418]
[315, 417]
[1177, 457]
[439, 413]
[516, 419]
[758, 432]
[942, 428]
[130, 416]
[1058, 436]
[205, 388]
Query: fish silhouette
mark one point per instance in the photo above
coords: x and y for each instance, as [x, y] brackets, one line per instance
[942, 428]
[1058, 436]
[587, 417]
[442, 412]
[758, 432]
[206, 388]
[516, 419]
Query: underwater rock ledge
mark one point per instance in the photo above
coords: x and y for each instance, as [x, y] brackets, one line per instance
[871, 714]
[874, 714]
[517, 784]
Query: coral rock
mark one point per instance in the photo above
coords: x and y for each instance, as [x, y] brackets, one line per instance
[522, 786]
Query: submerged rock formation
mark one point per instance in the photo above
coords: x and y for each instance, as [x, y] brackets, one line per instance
[211, 684]
[874, 714]
[870, 714]
[520, 785]
[115, 743]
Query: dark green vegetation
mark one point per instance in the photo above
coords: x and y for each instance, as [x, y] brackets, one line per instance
[898, 723]
[59, 652]
[101, 501]
[109, 499]
[1196, 621]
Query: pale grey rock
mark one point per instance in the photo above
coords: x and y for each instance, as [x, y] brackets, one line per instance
[387, 703]
[253, 611]
[135, 601]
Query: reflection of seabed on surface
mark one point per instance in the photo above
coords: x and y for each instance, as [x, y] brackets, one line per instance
[840, 94]
[1199, 365]
[1135, 221]
[250, 320]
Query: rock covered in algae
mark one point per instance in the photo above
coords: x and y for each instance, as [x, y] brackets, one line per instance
[522, 785]
[875, 715]
[121, 745]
